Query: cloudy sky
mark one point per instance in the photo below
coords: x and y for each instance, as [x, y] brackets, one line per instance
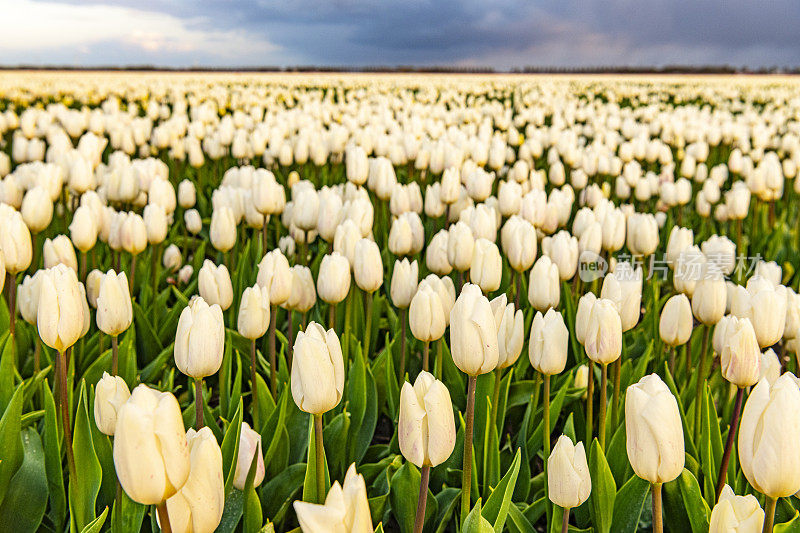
[498, 33]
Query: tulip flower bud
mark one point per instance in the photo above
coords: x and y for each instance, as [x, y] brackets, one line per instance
[769, 429]
[193, 221]
[741, 514]
[544, 289]
[330, 213]
[427, 314]
[585, 304]
[486, 267]
[317, 370]
[581, 377]
[680, 239]
[249, 447]
[223, 229]
[563, 250]
[215, 286]
[333, 280]
[654, 430]
[446, 290]
[197, 507]
[59, 250]
[405, 278]
[303, 295]
[37, 209]
[133, 234]
[709, 297]
[253, 312]
[770, 366]
[155, 221]
[187, 195]
[568, 481]
[356, 164]
[518, 238]
[426, 427]
[151, 455]
[172, 258]
[767, 311]
[110, 395]
[613, 230]
[346, 508]
[185, 273]
[15, 240]
[28, 297]
[200, 339]
[642, 234]
[624, 288]
[603, 336]
[547, 348]
[368, 266]
[400, 237]
[740, 359]
[721, 252]
[93, 282]
[275, 275]
[436, 254]
[306, 208]
[114, 309]
[510, 331]
[83, 229]
[345, 239]
[60, 311]
[675, 325]
[473, 332]
[460, 245]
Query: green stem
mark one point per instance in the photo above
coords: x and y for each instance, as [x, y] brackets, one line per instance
[701, 375]
[426, 347]
[546, 413]
[419, 521]
[726, 456]
[590, 403]
[565, 521]
[498, 375]
[62, 369]
[320, 458]
[114, 356]
[403, 326]
[602, 418]
[466, 475]
[615, 393]
[198, 403]
[769, 514]
[368, 324]
[273, 373]
[658, 521]
[253, 383]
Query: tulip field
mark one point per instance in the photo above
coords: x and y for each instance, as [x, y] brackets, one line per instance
[401, 303]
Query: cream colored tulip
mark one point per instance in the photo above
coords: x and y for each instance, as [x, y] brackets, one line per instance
[60, 310]
[249, 448]
[317, 370]
[568, 481]
[603, 337]
[333, 280]
[405, 279]
[346, 509]
[544, 288]
[549, 340]
[426, 427]
[151, 454]
[426, 314]
[114, 308]
[198, 505]
[200, 339]
[736, 514]
[253, 319]
[368, 266]
[275, 275]
[768, 435]
[675, 324]
[654, 430]
[473, 332]
[214, 283]
[110, 395]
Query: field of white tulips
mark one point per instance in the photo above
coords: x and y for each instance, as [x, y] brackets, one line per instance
[399, 303]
